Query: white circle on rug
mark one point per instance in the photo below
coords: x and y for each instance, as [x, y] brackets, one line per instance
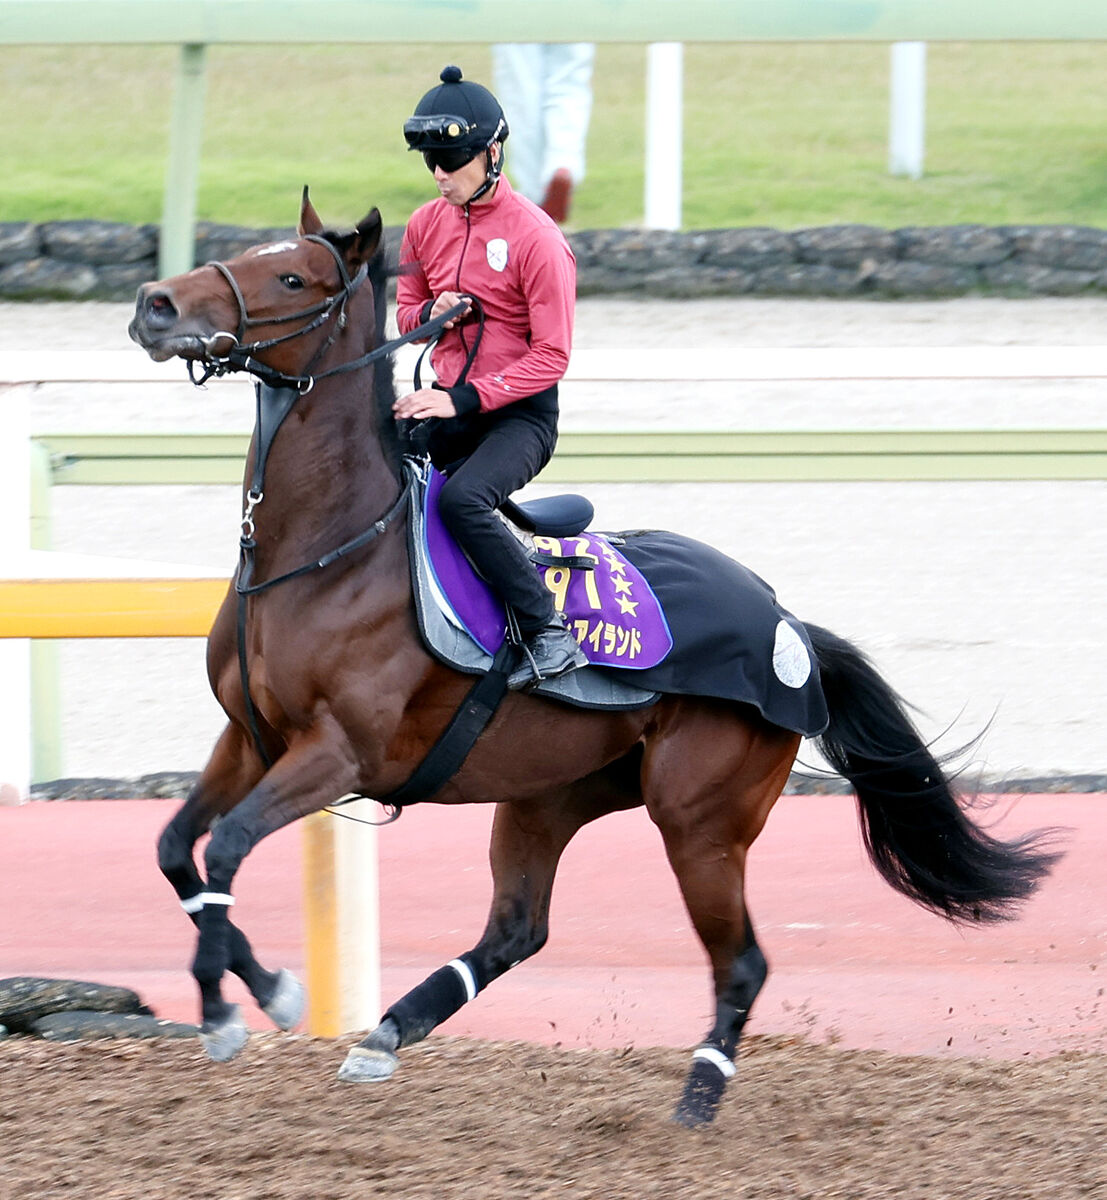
[791, 662]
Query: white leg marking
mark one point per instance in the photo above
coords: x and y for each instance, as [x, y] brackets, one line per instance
[195, 903]
[717, 1058]
[467, 977]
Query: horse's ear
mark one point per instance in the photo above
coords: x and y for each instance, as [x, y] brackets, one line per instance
[369, 230]
[309, 218]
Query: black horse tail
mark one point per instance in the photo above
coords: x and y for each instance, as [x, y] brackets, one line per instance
[915, 830]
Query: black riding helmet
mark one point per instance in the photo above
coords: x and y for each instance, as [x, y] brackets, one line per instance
[454, 122]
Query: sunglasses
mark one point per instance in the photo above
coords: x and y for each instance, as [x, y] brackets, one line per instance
[448, 160]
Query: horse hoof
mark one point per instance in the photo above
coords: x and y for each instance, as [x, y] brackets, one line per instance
[703, 1090]
[691, 1117]
[286, 1008]
[363, 1065]
[223, 1042]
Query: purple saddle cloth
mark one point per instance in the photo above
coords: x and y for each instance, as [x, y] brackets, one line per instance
[611, 609]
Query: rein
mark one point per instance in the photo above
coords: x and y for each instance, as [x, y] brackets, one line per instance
[278, 402]
[276, 394]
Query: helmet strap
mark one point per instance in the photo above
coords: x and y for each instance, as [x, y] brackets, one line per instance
[492, 173]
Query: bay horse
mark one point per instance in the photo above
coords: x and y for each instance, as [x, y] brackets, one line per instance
[342, 697]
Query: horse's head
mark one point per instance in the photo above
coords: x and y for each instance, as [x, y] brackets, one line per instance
[280, 304]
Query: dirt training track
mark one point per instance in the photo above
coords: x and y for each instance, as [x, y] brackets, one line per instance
[1001, 1098]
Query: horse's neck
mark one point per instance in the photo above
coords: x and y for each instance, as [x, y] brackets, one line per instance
[327, 478]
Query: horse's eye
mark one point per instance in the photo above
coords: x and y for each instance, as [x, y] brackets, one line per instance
[293, 282]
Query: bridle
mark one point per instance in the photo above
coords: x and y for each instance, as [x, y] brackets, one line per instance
[242, 355]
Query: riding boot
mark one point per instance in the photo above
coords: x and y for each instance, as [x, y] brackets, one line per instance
[547, 654]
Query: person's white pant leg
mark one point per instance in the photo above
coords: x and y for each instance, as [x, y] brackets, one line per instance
[566, 108]
[518, 83]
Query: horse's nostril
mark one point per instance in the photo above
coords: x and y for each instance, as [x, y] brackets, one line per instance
[160, 310]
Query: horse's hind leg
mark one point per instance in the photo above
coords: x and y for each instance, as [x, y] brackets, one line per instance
[709, 781]
[229, 775]
[527, 843]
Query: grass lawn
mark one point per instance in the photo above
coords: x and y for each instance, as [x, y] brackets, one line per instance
[779, 135]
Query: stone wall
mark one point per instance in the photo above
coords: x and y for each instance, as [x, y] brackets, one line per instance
[74, 260]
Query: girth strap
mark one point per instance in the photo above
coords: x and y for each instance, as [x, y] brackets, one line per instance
[449, 752]
[445, 757]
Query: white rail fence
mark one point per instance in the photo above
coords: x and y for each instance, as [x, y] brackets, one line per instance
[744, 365]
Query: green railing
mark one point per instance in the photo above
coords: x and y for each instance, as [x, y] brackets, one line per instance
[621, 457]
[797, 456]
[301, 21]
[650, 457]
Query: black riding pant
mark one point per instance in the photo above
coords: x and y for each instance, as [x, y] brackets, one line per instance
[507, 457]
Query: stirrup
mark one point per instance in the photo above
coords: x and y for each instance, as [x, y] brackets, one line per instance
[531, 662]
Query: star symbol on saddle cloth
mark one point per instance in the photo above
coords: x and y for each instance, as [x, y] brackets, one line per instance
[614, 561]
[627, 606]
[621, 585]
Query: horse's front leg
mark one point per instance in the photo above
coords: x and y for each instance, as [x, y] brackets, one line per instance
[231, 772]
[527, 843]
[310, 775]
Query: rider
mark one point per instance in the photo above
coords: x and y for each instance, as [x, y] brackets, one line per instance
[497, 364]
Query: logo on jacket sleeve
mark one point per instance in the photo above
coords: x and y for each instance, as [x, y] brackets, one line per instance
[497, 254]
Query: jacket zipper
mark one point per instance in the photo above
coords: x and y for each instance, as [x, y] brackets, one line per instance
[457, 275]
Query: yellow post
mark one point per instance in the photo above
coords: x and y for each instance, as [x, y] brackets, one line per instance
[341, 923]
[321, 926]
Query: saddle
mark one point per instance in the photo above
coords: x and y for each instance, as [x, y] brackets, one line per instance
[464, 623]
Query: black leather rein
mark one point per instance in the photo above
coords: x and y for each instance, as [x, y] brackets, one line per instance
[276, 394]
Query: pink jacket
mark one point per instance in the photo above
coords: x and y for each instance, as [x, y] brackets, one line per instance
[513, 258]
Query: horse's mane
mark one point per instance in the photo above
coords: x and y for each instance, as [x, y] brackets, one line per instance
[392, 441]
[384, 382]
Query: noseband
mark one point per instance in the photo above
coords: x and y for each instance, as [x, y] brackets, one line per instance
[242, 354]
